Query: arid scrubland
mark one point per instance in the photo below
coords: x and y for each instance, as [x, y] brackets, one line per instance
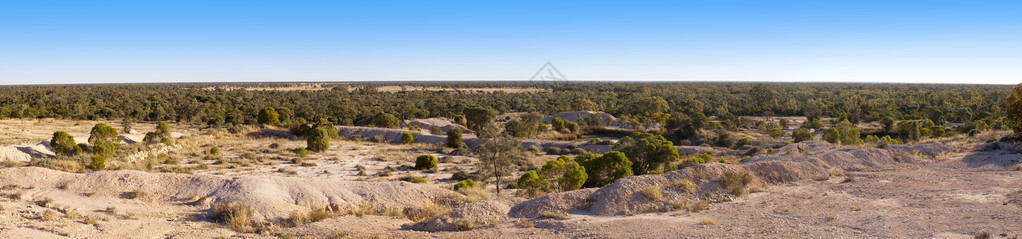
[663, 171]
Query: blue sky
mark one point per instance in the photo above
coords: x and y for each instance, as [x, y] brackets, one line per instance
[53, 42]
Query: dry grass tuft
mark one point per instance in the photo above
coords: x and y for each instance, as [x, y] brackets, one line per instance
[554, 215]
[685, 185]
[707, 221]
[699, 206]
[431, 211]
[233, 214]
[735, 182]
[652, 192]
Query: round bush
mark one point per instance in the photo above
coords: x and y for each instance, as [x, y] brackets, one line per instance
[425, 162]
[407, 138]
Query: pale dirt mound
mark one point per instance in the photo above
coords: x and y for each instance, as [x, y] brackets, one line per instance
[556, 202]
[797, 162]
[24, 153]
[440, 122]
[271, 197]
[574, 116]
[394, 135]
[489, 212]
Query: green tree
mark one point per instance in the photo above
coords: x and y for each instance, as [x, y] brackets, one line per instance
[849, 134]
[573, 178]
[908, 130]
[888, 124]
[1014, 106]
[127, 123]
[647, 151]
[832, 135]
[102, 131]
[557, 124]
[479, 117]
[385, 120]
[498, 155]
[268, 116]
[454, 138]
[64, 144]
[572, 127]
[98, 162]
[530, 180]
[801, 134]
[603, 170]
[163, 130]
[104, 148]
[407, 138]
[319, 140]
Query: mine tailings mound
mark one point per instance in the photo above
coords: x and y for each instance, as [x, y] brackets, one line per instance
[271, 197]
[795, 162]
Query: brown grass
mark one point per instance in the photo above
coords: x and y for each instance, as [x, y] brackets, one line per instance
[685, 185]
[431, 211]
[554, 215]
[652, 192]
[233, 214]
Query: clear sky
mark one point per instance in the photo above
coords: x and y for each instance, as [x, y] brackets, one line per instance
[80, 41]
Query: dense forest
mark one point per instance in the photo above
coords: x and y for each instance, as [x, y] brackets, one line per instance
[356, 103]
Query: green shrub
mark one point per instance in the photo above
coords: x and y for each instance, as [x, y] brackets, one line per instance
[418, 180]
[104, 148]
[301, 152]
[603, 170]
[436, 131]
[104, 132]
[467, 183]
[268, 116]
[530, 180]
[214, 150]
[98, 162]
[572, 127]
[319, 140]
[425, 162]
[801, 134]
[831, 135]
[64, 144]
[573, 178]
[454, 138]
[407, 138]
[385, 120]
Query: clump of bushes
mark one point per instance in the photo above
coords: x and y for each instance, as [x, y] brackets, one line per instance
[425, 162]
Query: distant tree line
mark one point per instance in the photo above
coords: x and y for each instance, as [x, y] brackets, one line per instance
[637, 103]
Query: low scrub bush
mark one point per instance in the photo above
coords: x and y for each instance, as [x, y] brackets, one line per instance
[425, 162]
[735, 182]
[235, 215]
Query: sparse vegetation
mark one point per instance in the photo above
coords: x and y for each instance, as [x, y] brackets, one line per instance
[652, 193]
[735, 181]
[235, 215]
